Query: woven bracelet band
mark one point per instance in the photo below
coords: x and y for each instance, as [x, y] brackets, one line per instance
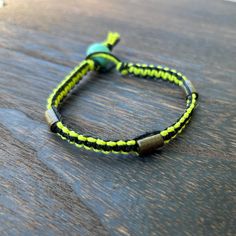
[99, 58]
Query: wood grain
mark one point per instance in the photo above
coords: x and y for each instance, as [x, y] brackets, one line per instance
[48, 187]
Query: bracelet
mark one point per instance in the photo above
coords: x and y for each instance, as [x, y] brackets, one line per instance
[99, 58]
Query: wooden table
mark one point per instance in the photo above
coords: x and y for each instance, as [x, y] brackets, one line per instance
[49, 187]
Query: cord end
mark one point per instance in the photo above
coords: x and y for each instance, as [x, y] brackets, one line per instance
[112, 39]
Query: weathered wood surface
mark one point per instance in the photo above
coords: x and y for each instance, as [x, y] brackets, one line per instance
[48, 187]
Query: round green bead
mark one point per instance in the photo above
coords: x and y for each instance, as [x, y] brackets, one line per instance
[98, 47]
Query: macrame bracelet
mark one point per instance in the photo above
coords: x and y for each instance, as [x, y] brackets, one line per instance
[99, 58]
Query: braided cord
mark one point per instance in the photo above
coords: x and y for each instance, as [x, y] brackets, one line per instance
[145, 71]
[172, 76]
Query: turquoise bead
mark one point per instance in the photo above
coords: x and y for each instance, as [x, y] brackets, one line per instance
[98, 47]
